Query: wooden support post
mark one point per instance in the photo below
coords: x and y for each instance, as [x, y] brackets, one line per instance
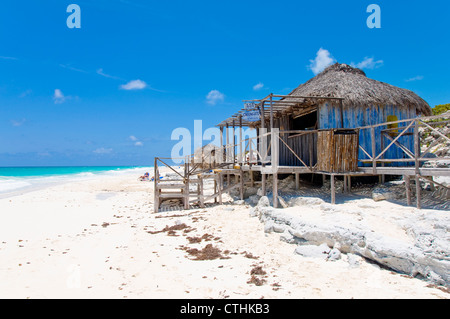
[408, 189]
[349, 184]
[156, 191]
[275, 158]
[374, 150]
[220, 188]
[382, 177]
[250, 154]
[263, 186]
[262, 139]
[234, 143]
[297, 181]
[275, 190]
[241, 175]
[227, 152]
[311, 152]
[241, 156]
[200, 181]
[418, 192]
[186, 193]
[252, 179]
[417, 163]
[221, 155]
[333, 189]
[345, 190]
[271, 113]
[215, 189]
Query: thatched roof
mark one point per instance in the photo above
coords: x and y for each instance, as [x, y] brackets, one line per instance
[352, 84]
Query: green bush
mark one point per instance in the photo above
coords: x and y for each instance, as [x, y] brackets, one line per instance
[439, 109]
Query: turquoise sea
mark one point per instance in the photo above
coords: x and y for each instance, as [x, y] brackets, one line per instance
[14, 179]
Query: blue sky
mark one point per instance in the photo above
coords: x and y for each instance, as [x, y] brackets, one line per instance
[111, 92]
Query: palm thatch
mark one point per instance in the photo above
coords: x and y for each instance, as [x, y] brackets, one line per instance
[352, 84]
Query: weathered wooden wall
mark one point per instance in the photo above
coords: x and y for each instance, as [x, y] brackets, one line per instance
[337, 150]
[304, 146]
[329, 116]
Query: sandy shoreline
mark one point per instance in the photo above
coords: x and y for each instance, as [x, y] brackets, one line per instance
[100, 239]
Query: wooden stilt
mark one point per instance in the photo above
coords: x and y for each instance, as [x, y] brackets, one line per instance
[345, 185]
[349, 185]
[252, 179]
[241, 175]
[220, 188]
[417, 163]
[408, 189]
[275, 190]
[333, 190]
[297, 181]
[215, 189]
[202, 202]
[418, 192]
[263, 186]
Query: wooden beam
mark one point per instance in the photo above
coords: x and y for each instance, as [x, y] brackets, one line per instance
[333, 189]
[408, 189]
[275, 190]
[263, 186]
[241, 176]
[418, 192]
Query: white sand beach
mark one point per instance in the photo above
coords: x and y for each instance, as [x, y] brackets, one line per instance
[101, 239]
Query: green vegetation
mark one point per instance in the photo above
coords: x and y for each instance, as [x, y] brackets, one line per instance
[439, 109]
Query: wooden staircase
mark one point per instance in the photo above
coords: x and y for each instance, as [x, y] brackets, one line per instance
[179, 188]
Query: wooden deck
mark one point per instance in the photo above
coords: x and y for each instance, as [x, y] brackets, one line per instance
[261, 154]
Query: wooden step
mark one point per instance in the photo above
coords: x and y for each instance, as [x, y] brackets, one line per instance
[171, 195]
[171, 186]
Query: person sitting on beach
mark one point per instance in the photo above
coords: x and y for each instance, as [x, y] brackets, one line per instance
[145, 177]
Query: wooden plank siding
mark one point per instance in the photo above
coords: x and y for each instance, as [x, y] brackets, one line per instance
[329, 117]
[337, 150]
[304, 146]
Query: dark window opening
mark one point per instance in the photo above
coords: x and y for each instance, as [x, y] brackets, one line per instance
[306, 122]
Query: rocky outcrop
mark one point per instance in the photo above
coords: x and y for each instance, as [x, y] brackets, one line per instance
[423, 252]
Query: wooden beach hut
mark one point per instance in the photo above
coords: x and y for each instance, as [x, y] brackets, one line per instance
[343, 97]
[339, 123]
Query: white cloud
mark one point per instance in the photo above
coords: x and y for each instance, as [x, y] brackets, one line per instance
[136, 140]
[416, 78]
[103, 150]
[368, 63]
[321, 62]
[134, 85]
[100, 72]
[215, 96]
[58, 97]
[258, 86]
[65, 66]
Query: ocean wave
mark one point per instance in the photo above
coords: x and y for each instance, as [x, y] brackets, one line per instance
[53, 177]
[7, 185]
